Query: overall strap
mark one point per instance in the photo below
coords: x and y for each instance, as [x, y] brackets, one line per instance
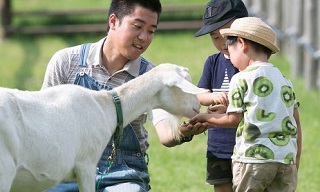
[143, 66]
[84, 50]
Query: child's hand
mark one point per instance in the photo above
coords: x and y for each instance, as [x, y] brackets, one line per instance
[217, 109]
[199, 118]
[220, 98]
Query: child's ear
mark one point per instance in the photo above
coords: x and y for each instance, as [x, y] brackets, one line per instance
[243, 44]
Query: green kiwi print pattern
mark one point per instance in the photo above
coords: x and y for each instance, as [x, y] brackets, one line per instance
[261, 115]
[288, 127]
[279, 138]
[262, 86]
[260, 152]
[236, 97]
[243, 84]
[290, 159]
[250, 132]
[287, 95]
[240, 128]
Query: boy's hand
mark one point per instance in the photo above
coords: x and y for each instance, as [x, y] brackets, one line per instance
[220, 98]
[199, 118]
[217, 109]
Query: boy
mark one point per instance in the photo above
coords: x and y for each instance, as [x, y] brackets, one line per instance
[217, 73]
[262, 106]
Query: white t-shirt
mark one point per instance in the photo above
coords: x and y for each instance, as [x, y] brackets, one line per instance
[268, 130]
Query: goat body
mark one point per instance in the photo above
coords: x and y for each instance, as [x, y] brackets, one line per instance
[59, 134]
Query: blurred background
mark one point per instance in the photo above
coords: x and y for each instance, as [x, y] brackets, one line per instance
[33, 30]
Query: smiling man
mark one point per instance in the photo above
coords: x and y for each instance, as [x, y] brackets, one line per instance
[109, 63]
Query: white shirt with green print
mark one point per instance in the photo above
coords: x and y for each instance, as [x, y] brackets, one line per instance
[267, 133]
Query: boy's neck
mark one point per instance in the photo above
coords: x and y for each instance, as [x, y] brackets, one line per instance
[258, 58]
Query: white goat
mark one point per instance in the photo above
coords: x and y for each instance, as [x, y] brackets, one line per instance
[59, 134]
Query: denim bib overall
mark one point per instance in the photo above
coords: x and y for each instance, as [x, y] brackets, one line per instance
[129, 171]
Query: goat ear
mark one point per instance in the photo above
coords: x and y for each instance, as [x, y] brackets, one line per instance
[188, 87]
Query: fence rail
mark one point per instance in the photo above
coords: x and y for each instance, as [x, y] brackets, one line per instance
[8, 14]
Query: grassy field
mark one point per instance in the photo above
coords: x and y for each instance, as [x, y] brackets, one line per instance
[24, 59]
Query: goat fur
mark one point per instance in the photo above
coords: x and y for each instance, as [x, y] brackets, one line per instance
[59, 133]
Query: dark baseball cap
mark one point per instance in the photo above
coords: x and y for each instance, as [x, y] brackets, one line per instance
[219, 12]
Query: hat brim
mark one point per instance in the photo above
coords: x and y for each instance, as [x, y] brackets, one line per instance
[249, 36]
[209, 28]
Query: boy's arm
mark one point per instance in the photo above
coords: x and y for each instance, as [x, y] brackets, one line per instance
[209, 98]
[218, 119]
[299, 136]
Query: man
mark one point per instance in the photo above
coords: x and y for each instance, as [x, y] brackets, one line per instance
[108, 63]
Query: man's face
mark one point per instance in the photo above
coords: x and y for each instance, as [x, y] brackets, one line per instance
[135, 32]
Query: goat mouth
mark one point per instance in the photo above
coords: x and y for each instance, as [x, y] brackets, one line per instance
[196, 110]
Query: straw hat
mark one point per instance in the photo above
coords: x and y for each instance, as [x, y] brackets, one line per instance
[254, 29]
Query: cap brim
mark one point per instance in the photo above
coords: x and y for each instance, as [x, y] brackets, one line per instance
[209, 28]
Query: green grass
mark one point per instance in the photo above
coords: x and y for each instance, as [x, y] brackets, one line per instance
[182, 168]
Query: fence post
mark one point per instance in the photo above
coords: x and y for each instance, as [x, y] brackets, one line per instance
[310, 28]
[5, 17]
[275, 18]
[295, 32]
[286, 15]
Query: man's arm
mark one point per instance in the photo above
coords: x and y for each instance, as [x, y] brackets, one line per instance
[171, 131]
[185, 132]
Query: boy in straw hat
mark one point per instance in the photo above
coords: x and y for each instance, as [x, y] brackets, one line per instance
[217, 72]
[263, 107]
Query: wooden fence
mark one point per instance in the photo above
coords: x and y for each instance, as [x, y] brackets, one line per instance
[297, 24]
[8, 14]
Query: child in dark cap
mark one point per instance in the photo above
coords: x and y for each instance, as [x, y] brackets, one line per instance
[216, 76]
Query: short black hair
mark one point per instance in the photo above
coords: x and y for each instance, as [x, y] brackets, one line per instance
[122, 8]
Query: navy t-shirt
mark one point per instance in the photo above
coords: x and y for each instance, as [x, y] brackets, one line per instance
[220, 140]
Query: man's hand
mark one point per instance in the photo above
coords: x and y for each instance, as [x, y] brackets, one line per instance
[187, 129]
